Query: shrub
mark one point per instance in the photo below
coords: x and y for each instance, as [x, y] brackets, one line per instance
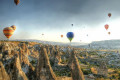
[63, 73]
[86, 72]
[114, 77]
[32, 62]
[64, 61]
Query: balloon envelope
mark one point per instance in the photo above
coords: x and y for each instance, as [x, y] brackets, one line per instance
[14, 27]
[8, 32]
[109, 33]
[70, 36]
[106, 26]
[16, 2]
[61, 35]
[72, 24]
[109, 14]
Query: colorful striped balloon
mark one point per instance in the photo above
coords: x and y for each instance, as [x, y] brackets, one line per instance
[8, 32]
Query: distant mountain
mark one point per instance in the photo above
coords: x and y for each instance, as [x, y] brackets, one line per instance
[105, 44]
[53, 43]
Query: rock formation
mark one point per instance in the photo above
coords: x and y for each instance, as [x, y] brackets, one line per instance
[23, 57]
[17, 73]
[3, 73]
[43, 69]
[6, 48]
[24, 48]
[73, 63]
[55, 57]
[48, 50]
[23, 63]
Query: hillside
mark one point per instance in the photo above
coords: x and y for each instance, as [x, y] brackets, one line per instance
[21, 60]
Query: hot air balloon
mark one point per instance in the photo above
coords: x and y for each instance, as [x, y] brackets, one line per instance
[106, 26]
[109, 33]
[16, 2]
[109, 14]
[71, 24]
[61, 36]
[70, 36]
[14, 27]
[8, 32]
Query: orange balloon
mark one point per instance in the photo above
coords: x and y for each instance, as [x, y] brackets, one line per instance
[61, 35]
[14, 27]
[8, 32]
[109, 14]
[109, 33]
[16, 2]
[106, 26]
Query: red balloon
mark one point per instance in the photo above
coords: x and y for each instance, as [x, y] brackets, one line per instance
[106, 26]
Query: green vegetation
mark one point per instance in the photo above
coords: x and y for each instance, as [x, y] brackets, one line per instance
[51, 63]
[114, 77]
[79, 60]
[99, 76]
[101, 56]
[64, 61]
[93, 53]
[119, 76]
[33, 62]
[86, 71]
[26, 42]
[83, 62]
[63, 73]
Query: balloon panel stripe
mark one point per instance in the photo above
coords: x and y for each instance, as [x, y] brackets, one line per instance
[8, 31]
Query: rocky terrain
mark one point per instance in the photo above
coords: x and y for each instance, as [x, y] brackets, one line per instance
[21, 60]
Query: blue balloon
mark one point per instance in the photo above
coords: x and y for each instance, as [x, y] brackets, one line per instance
[70, 36]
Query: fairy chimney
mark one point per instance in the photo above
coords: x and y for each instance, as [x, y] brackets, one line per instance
[43, 69]
[55, 57]
[3, 73]
[76, 71]
[17, 73]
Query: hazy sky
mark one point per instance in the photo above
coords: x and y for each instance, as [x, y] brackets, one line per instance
[54, 17]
